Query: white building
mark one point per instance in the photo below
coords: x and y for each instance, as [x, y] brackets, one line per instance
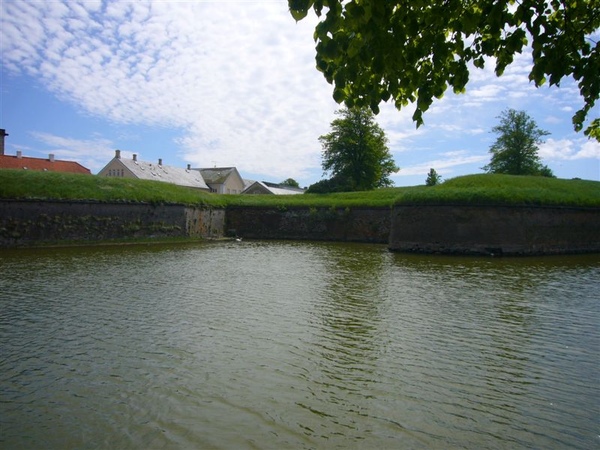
[133, 168]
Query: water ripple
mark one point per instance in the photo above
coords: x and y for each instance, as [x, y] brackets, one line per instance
[296, 345]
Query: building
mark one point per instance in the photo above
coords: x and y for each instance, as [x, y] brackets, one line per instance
[264, 187]
[50, 164]
[133, 168]
[223, 180]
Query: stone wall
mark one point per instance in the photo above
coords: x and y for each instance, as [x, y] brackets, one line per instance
[25, 223]
[425, 229]
[205, 223]
[301, 223]
[495, 230]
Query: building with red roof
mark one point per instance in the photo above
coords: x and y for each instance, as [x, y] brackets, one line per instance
[49, 164]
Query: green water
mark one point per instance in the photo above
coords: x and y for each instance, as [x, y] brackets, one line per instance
[296, 345]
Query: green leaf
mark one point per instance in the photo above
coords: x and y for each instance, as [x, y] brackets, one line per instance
[299, 8]
[298, 14]
[339, 95]
[593, 131]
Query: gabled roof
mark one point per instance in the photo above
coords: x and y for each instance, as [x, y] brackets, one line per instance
[289, 190]
[264, 187]
[217, 175]
[169, 174]
[50, 164]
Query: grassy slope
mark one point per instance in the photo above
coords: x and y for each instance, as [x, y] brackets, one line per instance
[471, 189]
[506, 190]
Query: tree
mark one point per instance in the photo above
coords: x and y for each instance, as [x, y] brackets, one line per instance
[336, 184]
[545, 171]
[412, 51]
[433, 178]
[515, 150]
[355, 152]
[290, 182]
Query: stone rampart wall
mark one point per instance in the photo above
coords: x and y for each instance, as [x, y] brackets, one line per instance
[425, 229]
[25, 223]
[495, 230]
[301, 223]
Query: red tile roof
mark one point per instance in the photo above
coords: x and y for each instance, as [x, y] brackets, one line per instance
[24, 162]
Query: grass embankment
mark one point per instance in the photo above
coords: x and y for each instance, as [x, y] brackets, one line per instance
[485, 189]
[25, 184]
[32, 185]
[471, 189]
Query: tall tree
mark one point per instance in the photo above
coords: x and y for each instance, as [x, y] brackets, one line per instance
[355, 152]
[515, 151]
[412, 51]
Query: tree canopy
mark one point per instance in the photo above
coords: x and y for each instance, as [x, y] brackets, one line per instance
[515, 151]
[290, 182]
[412, 51]
[355, 153]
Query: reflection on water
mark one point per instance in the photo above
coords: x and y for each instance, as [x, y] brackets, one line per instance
[296, 345]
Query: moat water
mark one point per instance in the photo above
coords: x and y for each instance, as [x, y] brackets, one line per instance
[303, 345]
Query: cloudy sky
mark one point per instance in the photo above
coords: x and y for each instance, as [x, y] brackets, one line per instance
[233, 83]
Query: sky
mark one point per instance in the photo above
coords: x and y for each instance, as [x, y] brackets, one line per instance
[234, 83]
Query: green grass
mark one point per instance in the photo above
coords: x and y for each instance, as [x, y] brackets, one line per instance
[23, 184]
[485, 189]
[377, 198]
[470, 189]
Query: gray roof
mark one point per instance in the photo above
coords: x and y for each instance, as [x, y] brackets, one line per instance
[287, 190]
[271, 188]
[168, 174]
[216, 175]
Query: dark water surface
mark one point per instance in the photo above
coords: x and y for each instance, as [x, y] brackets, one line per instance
[274, 345]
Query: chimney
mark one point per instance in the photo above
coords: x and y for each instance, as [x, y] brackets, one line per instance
[19, 154]
[118, 154]
[134, 157]
[160, 161]
[51, 157]
[2, 134]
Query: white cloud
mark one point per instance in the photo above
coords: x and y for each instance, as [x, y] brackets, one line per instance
[444, 165]
[91, 153]
[569, 149]
[589, 149]
[487, 93]
[238, 80]
[553, 119]
[244, 89]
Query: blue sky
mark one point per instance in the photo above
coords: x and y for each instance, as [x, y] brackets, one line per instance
[234, 84]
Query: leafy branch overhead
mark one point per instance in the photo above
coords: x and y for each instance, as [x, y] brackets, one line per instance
[412, 51]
